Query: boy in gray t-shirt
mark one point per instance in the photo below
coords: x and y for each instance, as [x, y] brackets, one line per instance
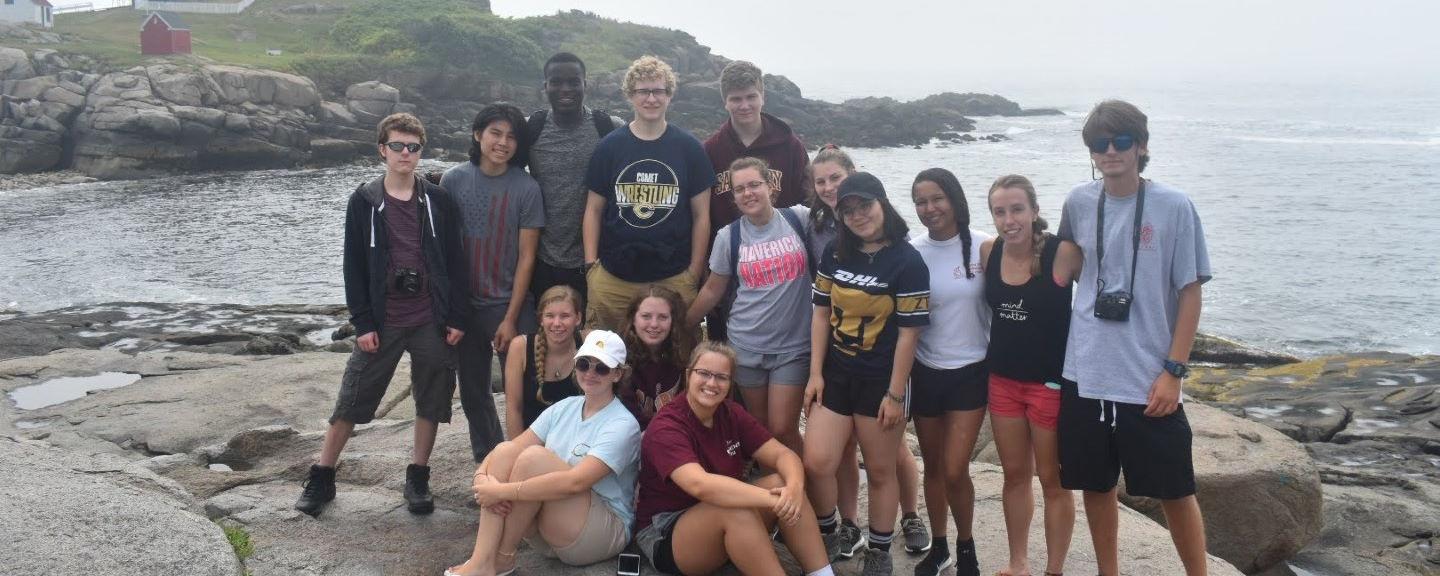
[1133, 322]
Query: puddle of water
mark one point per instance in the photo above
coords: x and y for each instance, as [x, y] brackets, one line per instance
[1328, 411]
[221, 468]
[57, 390]
[320, 337]
[1267, 412]
[1386, 382]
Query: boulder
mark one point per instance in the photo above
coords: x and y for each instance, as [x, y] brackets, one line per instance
[335, 112]
[15, 64]
[31, 88]
[24, 150]
[66, 517]
[1259, 490]
[239, 85]
[373, 90]
[182, 86]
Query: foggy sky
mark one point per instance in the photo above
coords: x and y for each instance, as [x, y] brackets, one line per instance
[904, 48]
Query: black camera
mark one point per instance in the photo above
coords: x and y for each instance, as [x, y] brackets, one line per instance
[408, 281]
[1113, 306]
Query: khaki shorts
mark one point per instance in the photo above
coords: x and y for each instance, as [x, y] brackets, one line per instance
[602, 538]
[609, 296]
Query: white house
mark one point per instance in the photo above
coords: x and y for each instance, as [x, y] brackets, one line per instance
[32, 11]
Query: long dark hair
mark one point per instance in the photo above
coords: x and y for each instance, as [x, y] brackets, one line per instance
[847, 244]
[675, 350]
[950, 185]
[500, 111]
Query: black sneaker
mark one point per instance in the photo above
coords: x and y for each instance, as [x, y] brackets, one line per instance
[852, 538]
[417, 489]
[966, 564]
[917, 538]
[936, 561]
[319, 490]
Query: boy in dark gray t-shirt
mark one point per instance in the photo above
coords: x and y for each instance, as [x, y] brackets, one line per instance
[1133, 322]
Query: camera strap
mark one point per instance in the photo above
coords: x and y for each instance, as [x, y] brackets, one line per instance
[1135, 237]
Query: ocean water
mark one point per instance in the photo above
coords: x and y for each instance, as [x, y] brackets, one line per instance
[1317, 203]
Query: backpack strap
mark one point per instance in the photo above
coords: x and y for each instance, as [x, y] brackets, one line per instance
[604, 124]
[795, 223]
[734, 253]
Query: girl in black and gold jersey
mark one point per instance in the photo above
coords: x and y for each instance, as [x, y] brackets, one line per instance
[871, 299]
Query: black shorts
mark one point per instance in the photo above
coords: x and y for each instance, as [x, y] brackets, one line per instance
[664, 554]
[1099, 439]
[850, 395]
[934, 391]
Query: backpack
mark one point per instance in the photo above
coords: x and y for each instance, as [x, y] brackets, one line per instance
[790, 217]
[534, 125]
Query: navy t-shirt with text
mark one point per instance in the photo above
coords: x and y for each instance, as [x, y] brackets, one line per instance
[647, 186]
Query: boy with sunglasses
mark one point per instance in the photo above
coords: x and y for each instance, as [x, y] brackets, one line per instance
[404, 271]
[1137, 304]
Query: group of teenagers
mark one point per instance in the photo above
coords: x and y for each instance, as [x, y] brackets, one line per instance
[587, 253]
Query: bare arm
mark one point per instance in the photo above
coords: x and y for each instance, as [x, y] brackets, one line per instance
[515, 387]
[1068, 262]
[699, 232]
[551, 486]
[722, 491]
[819, 340]
[892, 412]
[1165, 391]
[590, 226]
[778, 457]
[709, 295]
[985, 248]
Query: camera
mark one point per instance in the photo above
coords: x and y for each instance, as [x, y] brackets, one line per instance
[1113, 306]
[407, 281]
[629, 565]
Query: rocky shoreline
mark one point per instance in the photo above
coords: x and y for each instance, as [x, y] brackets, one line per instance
[1326, 464]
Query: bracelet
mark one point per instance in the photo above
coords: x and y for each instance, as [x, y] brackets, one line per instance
[894, 398]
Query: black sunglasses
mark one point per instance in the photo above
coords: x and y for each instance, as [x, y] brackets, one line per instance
[583, 364]
[1122, 143]
[413, 147]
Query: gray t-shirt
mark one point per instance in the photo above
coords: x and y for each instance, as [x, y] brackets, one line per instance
[558, 160]
[1118, 361]
[771, 313]
[493, 210]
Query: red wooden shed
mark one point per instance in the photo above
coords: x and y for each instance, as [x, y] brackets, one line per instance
[164, 33]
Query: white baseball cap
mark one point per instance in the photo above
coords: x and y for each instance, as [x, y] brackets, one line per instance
[605, 346]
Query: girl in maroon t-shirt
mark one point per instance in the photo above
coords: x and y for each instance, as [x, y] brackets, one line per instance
[692, 496]
[655, 335]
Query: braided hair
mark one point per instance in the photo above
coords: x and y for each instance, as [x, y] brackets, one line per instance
[556, 294]
[1037, 229]
[950, 185]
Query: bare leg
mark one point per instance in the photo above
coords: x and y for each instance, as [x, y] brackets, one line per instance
[1102, 511]
[1187, 529]
[425, 431]
[908, 476]
[1012, 442]
[336, 436]
[881, 448]
[1059, 502]
[709, 536]
[802, 537]
[757, 402]
[962, 428]
[784, 414]
[932, 449]
[501, 462]
[847, 480]
[825, 438]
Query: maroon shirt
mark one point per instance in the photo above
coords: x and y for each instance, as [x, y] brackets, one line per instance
[651, 378]
[676, 438]
[777, 145]
[402, 227]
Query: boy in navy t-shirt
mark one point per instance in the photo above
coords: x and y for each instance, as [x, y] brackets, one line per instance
[646, 220]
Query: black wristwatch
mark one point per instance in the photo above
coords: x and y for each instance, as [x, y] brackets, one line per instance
[1177, 369]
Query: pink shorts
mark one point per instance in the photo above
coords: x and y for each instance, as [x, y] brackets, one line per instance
[1033, 401]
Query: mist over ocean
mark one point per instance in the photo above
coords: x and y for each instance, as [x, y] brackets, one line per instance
[1317, 204]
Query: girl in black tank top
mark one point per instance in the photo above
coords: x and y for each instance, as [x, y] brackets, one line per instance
[540, 395]
[1030, 322]
[532, 383]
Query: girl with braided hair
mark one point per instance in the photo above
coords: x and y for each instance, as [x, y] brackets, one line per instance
[1028, 277]
[539, 368]
[949, 378]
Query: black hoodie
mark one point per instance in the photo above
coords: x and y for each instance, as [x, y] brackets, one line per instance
[367, 254]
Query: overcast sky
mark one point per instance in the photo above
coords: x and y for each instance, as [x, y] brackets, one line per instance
[906, 48]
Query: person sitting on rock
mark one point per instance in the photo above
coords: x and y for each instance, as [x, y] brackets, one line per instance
[568, 482]
[502, 212]
[695, 511]
[403, 265]
[647, 216]
[539, 371]
[655, 331]
[1137, 304]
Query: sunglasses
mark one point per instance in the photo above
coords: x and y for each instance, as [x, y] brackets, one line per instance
[1122, 143]
[585, 364]
[413, 147]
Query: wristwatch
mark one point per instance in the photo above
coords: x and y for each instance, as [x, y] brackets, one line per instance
[894, 398]
[1177, 369]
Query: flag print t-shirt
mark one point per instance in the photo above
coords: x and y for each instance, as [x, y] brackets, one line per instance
[647, 186]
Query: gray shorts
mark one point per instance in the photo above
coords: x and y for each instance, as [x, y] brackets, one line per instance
[432, 375]
[754, 370]
[647, 540]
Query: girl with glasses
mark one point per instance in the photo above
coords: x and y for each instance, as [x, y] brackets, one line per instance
[567, 484]
[538, 370]
[695, 511]
[659, 345]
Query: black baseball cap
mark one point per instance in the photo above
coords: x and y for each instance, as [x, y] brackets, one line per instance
[862, 184]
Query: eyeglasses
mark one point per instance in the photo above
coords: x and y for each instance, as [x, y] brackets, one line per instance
[413, 147]
[1122, 143]
[854, 208]
[586, 364]
[753, 186]
[708, 375]
[644, 93]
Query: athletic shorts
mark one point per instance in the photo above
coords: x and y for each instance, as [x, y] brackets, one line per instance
[850, 395]
[655, 541]
[935, 391]
[1033, 401]
[1099, 439]
[603, 537]
[367, 375]
[754, 370]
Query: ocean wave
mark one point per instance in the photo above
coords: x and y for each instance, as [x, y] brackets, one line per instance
[1340, 141]
[1013, 130]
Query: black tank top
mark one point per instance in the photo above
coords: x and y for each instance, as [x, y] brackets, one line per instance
[535, 398]
[1028, 323]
